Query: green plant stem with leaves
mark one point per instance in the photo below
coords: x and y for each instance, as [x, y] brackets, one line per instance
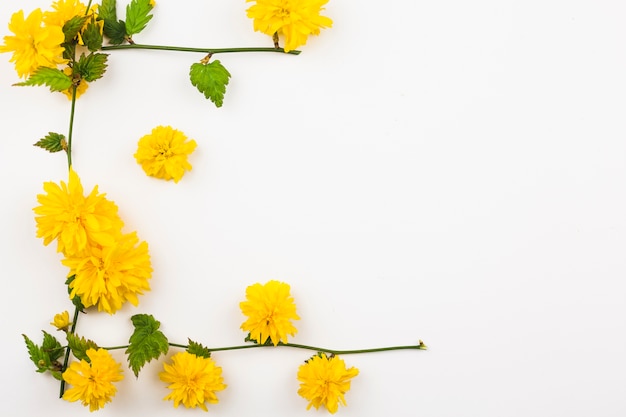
[199, 50]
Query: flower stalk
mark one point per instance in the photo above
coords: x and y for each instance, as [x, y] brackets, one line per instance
[200, 50]
[66, 359]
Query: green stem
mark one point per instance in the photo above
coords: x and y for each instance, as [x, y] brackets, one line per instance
[71, 129]
[201, 50]
[67, 352]
[419, 346]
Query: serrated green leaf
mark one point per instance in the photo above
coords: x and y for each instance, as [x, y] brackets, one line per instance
[80, 346]
[53, 142]
[52, 347]
[54, 78]
[108, 10]
[92, 66]
[113, 29]
[146, 343]
[76, 300]
[198, 350]
[37, 355]
[72, 27]
[137, 16]
[92, 36]
[211, 80]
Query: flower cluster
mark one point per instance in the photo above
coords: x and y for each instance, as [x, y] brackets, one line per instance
[61, 49]
[107, 267]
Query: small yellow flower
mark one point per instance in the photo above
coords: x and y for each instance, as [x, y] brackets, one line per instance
[324, 381]
[294, 19]
[108, 276]
[163, 153]
[92, 383]
[33, 45]
[270, 309]
[194, 380]
[61, 321]
[76, 221]
[152, 3]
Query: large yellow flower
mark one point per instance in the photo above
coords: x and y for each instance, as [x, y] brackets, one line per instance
[92, 383]
[193, 380]
[270, 309]
[33, 45]
[75, 220]
[163, 153]
[295, 19]
[324, 381]
[108, 276]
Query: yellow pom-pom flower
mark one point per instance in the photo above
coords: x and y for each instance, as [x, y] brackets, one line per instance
[61, 321]
[294, 19]
[75, 220]
[34, 45]
[324, 381]
[108, 276]
[163, 153]
[270, 309]
[92, 382]
[194, 380]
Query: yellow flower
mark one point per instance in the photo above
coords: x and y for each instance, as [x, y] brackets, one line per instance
[33, 45]
[65, 10]
[193, 380]
[324, 381]
[61, 321]
[163, 153]
[269, 308]
[294, 19]
[82, 85]
[108, 276]
[152, 3]
[92, 383]
[75, 220]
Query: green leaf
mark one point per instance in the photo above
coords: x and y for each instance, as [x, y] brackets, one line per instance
[51, 77]
[113, 29]
[198, 350]
[137, 16]
[37, 355]
[72, 27]
[78, 303]
[146, 342]
[52, 347]
[92, 37]
[92, 66]
[53, 142]
[211, 80]
[80, 346]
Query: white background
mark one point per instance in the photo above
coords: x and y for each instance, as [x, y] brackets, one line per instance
[450, 171]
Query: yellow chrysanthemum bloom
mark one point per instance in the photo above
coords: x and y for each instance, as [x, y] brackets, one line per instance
[61, 321]
[75, 220]
[33, 45]
[92, 383]
[294, 19]
[108, 276]
[193, 380]
[65, 10]
[270, 309]
[324, 381]
[163, 153]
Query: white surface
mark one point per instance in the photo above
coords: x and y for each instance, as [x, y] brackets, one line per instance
[450, 171]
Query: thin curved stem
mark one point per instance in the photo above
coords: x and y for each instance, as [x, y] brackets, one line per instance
[71, 129]
[200, 50]
[67, 352]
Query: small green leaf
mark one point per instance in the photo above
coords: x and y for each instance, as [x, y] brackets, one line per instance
[92, 66]
[52, 347]
[198, 350]
[53, 142]
[92, 37]
[78, 303]
[80, 346]
[108, 10]
[37, 355]
[137, 16]
[211, 80]
[54, 78]
[114, 29]
[146, 342]
[72, 27]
